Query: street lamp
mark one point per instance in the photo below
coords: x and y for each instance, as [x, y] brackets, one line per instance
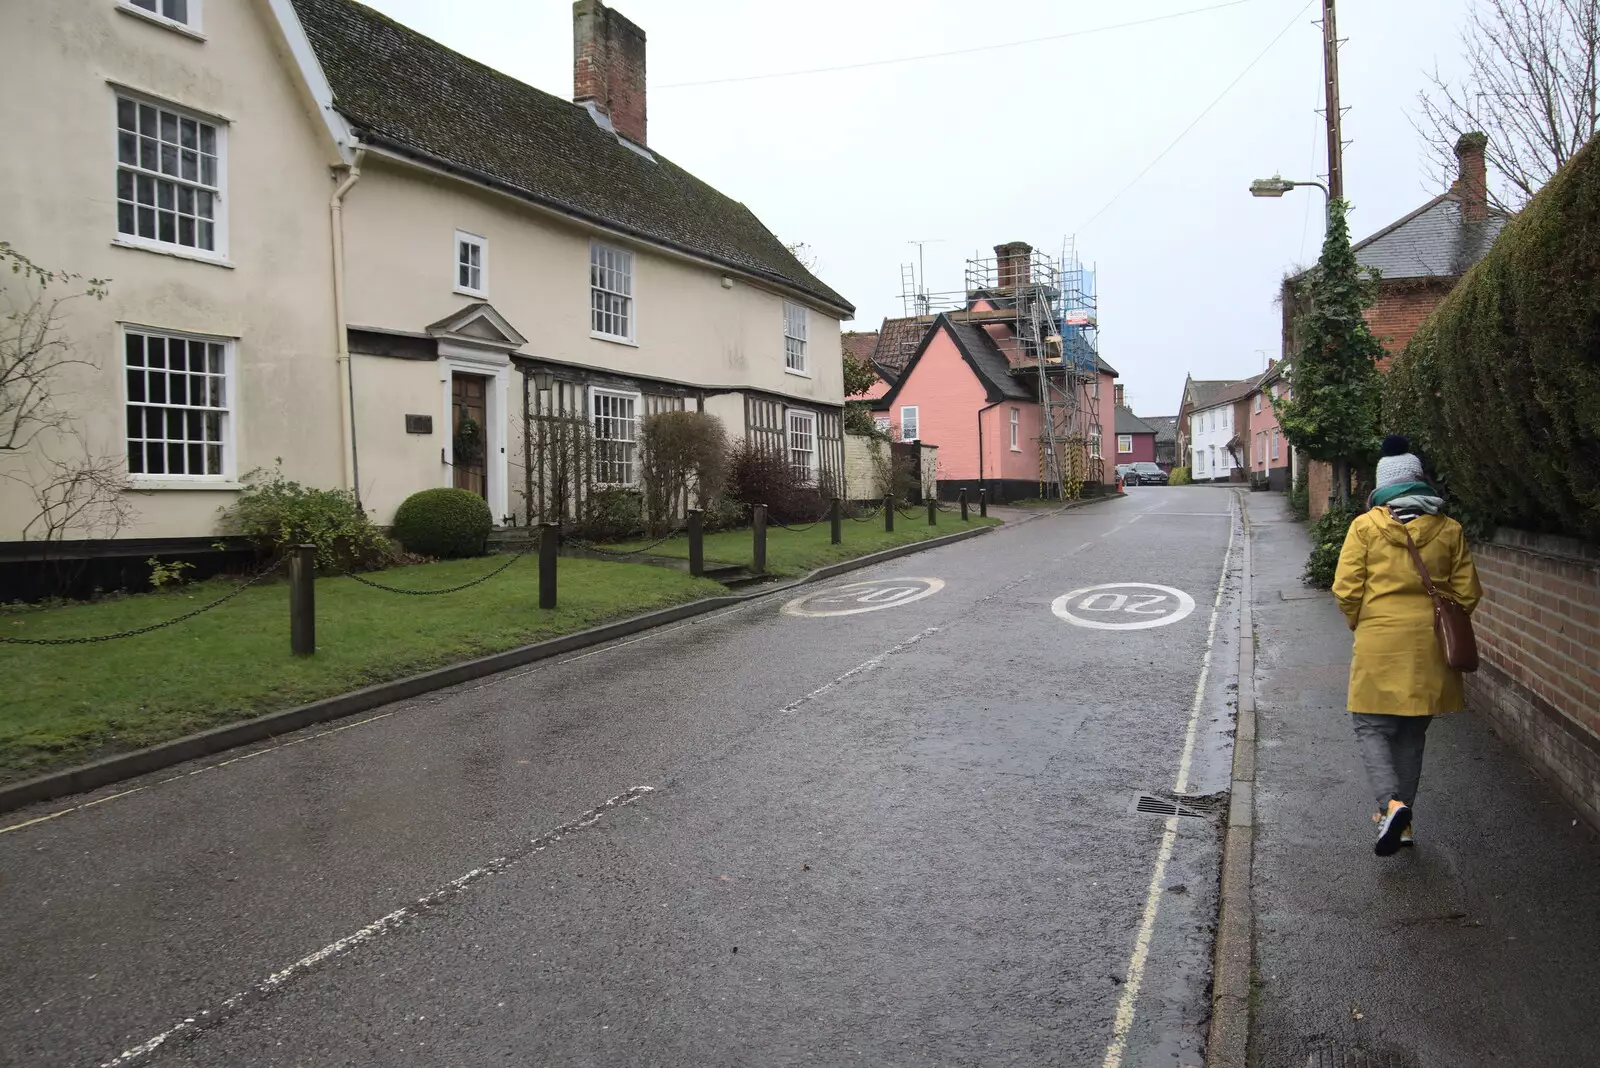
[1278, 185]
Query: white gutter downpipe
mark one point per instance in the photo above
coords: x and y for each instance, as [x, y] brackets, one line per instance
[346, 369]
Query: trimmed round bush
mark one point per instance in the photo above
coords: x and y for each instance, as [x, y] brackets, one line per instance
[443, 523]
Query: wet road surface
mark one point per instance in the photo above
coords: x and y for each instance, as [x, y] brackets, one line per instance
[890, 825]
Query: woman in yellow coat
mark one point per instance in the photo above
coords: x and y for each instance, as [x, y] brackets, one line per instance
[1398, 676]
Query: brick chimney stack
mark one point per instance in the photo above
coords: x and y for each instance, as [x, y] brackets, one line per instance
[608, 66]
[1120, 402]
[1014, 260]
[1472, 183]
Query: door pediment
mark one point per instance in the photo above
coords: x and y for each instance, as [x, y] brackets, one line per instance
[480, 326]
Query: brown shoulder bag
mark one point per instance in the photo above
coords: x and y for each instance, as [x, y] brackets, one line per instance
[1450, 621]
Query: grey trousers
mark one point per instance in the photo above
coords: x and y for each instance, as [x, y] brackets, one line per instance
[1391, 748]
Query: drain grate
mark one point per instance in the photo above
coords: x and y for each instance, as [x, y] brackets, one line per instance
[1341, 1057]
[1155, 805]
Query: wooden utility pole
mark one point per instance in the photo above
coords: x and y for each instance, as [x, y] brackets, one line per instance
[1330, 77]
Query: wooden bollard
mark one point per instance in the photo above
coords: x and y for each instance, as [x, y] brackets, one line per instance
[697, 542]
[303, 600]
[758, 525]
[549, 549]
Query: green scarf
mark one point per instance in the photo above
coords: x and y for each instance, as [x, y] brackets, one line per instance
[1383, 496]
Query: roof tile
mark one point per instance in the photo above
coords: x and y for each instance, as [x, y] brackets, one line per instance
[410, 93]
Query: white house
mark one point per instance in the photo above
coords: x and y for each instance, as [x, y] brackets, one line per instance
[1218, 430]
[334, 242]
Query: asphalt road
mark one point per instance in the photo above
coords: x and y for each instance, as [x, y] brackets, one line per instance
[764, 837]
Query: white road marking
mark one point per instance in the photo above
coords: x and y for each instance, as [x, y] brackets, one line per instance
[872, 596]
[1219, 515]
[1107, 597]
[1152, 902]
[382, 925]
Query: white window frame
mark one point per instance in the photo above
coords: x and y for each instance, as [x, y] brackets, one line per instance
[226, 477]
[795, 361]
[813, 464]
[1199, 459]
[1095, 446]
[219, 191]
[607, 258]
[637, 400]
[1274, 443]
[881, 421]
[916, 423]
[466, 238]
[1016, 429]
[1124, 444]
[1258, 403]
[190, 25]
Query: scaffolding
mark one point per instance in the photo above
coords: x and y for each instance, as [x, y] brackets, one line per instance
[1049, 313]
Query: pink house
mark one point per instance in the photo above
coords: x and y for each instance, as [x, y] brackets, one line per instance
[1136, 439]
[961, 392]
[1270, 459]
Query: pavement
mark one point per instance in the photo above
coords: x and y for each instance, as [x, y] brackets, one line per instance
[891, 822]
[1478, 947]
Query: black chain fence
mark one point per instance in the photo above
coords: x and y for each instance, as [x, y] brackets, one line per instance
[874, 512]
[593, 548]
[434, 593]
[801, 529]
[90, 639]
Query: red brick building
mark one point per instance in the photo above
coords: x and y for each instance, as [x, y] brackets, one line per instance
[1418, 260]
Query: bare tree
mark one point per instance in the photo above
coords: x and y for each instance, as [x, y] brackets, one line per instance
[1532, 82]
[75, 492]
[805, 254]
[33, 348]
[79, 494]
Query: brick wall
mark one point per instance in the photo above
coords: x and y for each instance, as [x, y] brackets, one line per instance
[1401, 307]
[1539, 633]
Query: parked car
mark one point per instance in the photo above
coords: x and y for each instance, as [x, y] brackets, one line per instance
[1142, 473]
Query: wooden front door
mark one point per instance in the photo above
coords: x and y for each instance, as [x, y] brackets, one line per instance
[469, 427]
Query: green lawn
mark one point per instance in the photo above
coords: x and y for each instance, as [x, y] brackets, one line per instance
[790, 553]
[63, 704]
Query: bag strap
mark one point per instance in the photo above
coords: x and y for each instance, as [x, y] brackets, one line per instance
[1422, 568]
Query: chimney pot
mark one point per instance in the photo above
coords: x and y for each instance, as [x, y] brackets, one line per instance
[608, 66]
[1014, 263]
[1472, 182]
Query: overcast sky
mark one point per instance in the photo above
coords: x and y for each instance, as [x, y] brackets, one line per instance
[1025, 143]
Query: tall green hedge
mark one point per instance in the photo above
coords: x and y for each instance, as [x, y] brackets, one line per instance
[1500, 388]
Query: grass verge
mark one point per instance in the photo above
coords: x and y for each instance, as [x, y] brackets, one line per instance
[795, 552]
[68, 703]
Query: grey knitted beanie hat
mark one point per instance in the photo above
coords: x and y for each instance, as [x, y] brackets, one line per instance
[1398, 464]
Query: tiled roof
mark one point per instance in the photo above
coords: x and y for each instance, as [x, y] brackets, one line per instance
[1166, 426]
[860, 343]
[897, 342]
[409, 93]
[1206, 390]
[1128, 423]
[1234, 391]
[1431, 242]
